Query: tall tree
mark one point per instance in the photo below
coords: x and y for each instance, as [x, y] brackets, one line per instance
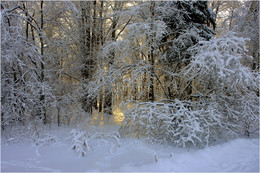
[108, 101]
[187, 24]
[42, 111]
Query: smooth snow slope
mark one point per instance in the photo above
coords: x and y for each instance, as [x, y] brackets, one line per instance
[133, 155]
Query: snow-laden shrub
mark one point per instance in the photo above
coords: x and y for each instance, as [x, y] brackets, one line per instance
[41, 139]
[112, 139]
[182, 123]
[84, 141]
[79, 141]
[218, 73]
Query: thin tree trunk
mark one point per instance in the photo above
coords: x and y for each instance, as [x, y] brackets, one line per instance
[42, 96]
[151, 57]
[100, 41]
[93, 61]
[27, 23]
[59, 116]
[101, 23]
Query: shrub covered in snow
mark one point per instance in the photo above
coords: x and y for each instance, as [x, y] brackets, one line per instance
[176, 122]
[79, 141]
[218, 72]
[84, 141]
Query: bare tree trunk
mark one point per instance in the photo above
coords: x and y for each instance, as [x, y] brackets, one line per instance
[86, 51]
[254, 9]
[94, 47]
[100, 41]
[27, 24]
[59, 116]
[151, 57]
[42, 96]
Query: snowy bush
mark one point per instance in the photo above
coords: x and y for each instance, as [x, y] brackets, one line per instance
[41, 138]
[39, 135]
[83, 141]
[111, 139]
[79, 141]
[176, 122]
[218, 74]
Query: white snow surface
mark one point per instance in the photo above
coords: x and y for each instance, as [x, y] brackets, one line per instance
[133, 155]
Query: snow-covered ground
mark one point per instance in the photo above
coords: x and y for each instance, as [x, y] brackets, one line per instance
[132, 155]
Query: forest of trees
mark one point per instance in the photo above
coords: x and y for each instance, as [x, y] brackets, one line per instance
[182, 72]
